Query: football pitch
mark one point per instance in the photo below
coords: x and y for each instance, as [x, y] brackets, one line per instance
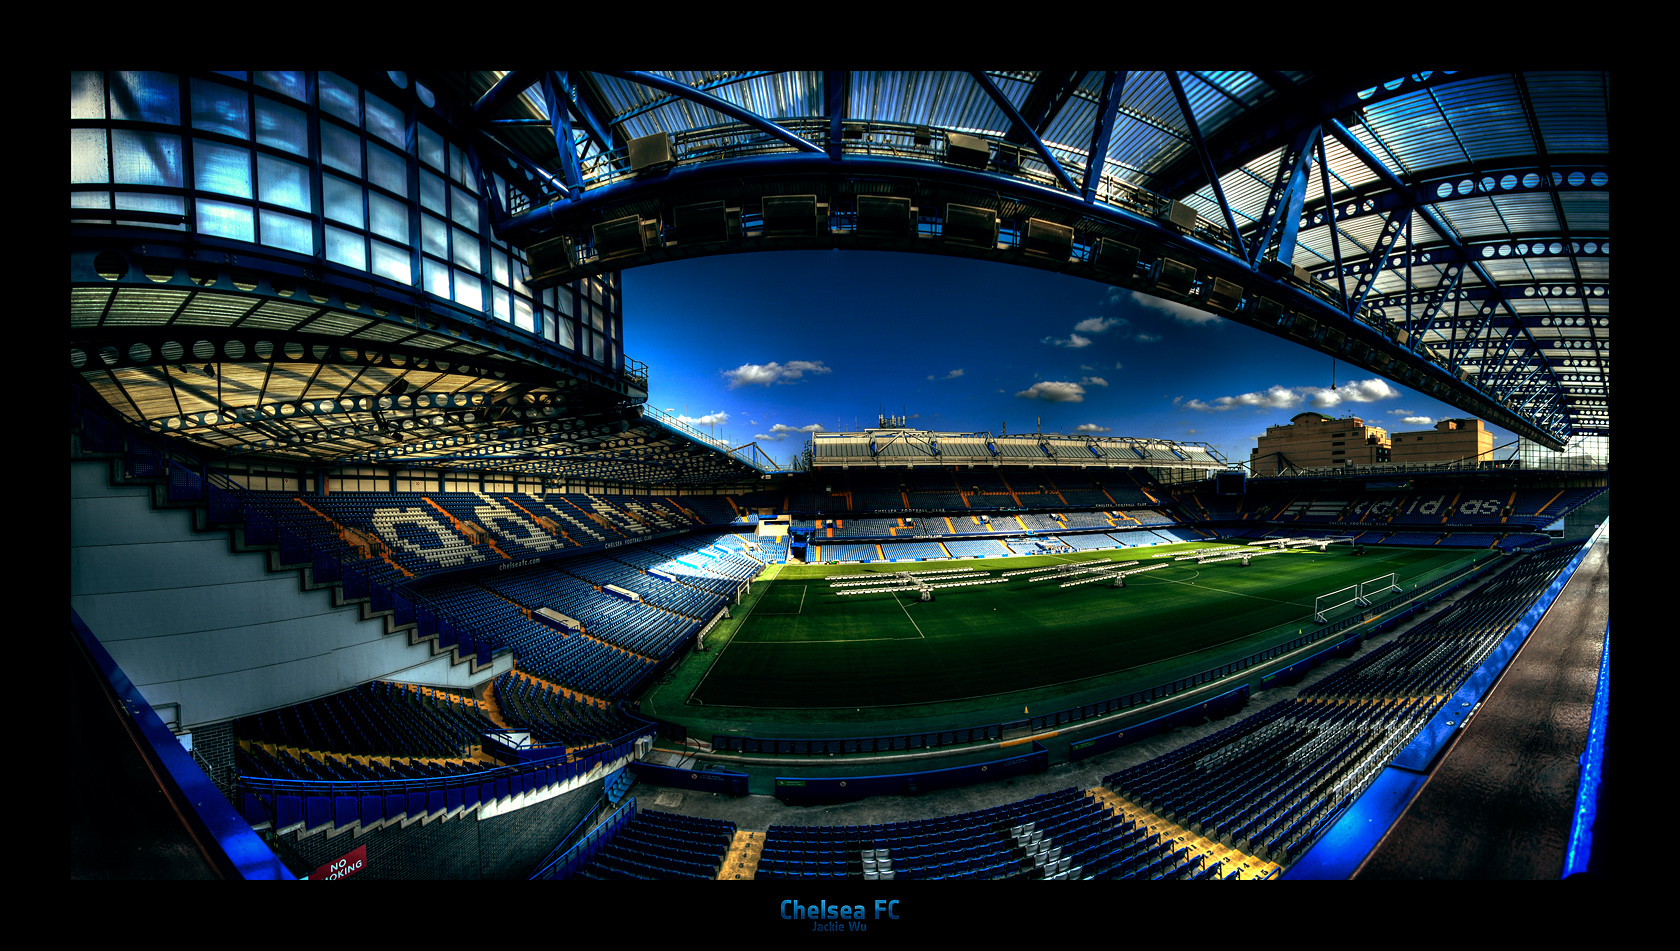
[804, 647]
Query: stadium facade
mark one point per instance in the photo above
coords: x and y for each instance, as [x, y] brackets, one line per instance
[355, 441]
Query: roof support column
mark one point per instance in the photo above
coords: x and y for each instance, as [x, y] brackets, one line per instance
[1107, 108]
[560, 117]
[835, 88]
[1207, 160]
[1024, 129]
[1283, 206]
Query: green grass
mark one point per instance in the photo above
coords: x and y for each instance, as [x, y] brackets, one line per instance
[799, 646]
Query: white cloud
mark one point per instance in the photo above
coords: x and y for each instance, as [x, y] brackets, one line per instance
[1179, 312]
[1278, 397]
[1283, 397]
[1096, 325]
[765, 374]
[1117, 366]
[1054, 392]
[781, 431]
[1090, 428]
[1418, 421]
[1357, 391]
[670, 409]
[1092, 381]
[949, 376]
[1072, 340]
[1147, 338]
[717, 418]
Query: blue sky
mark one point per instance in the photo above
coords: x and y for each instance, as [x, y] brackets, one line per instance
[764, 346]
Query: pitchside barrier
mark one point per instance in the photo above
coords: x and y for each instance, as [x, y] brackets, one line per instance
[813, 789]
[722, 743]
[727, 782]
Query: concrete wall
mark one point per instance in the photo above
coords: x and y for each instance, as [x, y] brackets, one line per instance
[196, 625]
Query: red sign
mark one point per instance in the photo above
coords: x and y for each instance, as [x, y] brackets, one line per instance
[342, 867]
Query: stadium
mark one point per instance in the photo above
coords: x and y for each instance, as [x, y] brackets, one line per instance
[420, 531]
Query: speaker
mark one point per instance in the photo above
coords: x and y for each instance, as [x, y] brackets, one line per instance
[884, 216]
[1224, 294]
[967, 151]
[1008, 157]
[1048, 239]
[1304, 326]
[1179, 215]
[620, 237]
[1116, 258]
[703, 223]
[967, 224]
[1175, 275]
[923, 136]
[790, 216]
[550, 261]
[651, 152]
[1268, 311]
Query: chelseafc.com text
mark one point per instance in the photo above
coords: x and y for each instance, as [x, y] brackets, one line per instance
[826, 917]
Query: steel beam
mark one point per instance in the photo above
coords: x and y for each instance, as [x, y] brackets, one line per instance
[587, 109]
[1283, 204]
[1335, 235]
[560, 120]
[721, 105]
[836, 84]
[505, 90]
[1207, 161]
[1022, 128]
[1379, 256]
[1108, 107]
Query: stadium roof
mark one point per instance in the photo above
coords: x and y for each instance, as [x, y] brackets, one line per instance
[1463, 248]
[1468, 211]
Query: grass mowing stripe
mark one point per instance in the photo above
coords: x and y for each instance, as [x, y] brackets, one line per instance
[989, 640]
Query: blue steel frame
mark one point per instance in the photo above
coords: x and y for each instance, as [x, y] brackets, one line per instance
[1023, 129]
[1433, 379]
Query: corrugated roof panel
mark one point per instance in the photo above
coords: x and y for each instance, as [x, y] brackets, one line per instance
[1507, 270]
[1410, 130]
[1487, 115]
[1586, 211]
[1552, 269]
[1474, 217]
[1594, 269]
[1571, 111]
[1529, 213]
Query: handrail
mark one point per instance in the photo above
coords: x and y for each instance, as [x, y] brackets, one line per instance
[223, 838]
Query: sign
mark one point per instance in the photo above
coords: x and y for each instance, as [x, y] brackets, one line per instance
[342, 867]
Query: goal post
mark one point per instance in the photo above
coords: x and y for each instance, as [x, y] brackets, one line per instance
[1378, 586]
[1341, 597]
